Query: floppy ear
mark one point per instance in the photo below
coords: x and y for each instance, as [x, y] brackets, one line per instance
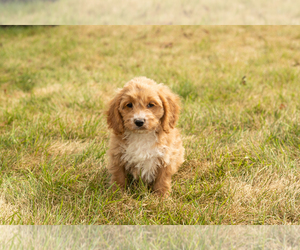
[114, 118]
[171, 107]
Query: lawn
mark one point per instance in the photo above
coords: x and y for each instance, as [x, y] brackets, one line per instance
[58, 12]
[240, 93]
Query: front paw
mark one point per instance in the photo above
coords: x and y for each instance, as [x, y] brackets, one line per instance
[162, 192]
[115, 186]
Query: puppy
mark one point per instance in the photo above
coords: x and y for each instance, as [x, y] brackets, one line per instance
[144, 142]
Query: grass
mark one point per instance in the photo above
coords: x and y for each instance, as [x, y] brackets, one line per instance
[150, 237]
[240, 123]
[279, 12]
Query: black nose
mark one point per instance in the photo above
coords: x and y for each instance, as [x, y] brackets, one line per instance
[139, 122]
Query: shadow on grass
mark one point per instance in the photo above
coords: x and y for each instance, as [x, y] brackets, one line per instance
[25, 81]
[186, 89]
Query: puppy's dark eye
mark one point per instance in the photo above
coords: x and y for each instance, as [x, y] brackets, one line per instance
[129, 105]
[150, 105]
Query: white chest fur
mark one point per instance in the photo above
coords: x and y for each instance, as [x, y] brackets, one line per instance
[142, 153]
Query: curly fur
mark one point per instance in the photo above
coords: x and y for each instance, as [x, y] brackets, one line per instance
[153, 151]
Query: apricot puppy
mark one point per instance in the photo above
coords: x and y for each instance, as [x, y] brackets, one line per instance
[144, 142]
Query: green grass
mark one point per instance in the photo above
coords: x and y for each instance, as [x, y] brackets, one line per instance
[133, 12]
[239, 87]
[149, 237]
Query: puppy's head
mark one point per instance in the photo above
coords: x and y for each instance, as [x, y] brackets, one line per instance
[143, 106]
